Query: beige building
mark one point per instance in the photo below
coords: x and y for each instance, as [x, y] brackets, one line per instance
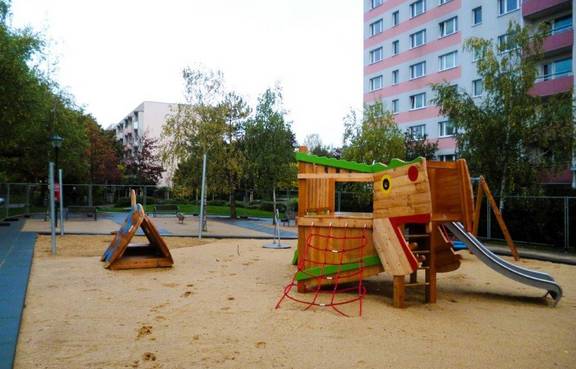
[146, 119]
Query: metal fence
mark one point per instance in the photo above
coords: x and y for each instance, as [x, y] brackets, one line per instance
[548, 221]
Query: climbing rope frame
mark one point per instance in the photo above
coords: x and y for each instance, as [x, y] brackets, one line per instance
[332, 267]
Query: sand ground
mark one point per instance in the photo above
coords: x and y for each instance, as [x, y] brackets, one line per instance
[215, 309]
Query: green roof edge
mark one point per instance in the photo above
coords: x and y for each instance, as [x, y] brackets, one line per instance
[352, 165]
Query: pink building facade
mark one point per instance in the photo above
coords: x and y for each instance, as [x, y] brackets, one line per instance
[410, 44]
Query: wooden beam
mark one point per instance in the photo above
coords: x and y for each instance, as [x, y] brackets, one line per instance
[399, 291]
[339, 177]
[499, 218]
[477, 208]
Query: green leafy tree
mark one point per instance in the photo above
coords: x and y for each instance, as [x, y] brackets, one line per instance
[511, 136]
[372, 137]
[211, 122]
[269, 145]
[419, 147]
[103, 153]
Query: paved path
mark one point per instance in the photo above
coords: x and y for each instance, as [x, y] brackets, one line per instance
[257, 225]
[16, 251]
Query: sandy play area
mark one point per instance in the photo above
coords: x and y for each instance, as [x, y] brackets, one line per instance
[215, 309]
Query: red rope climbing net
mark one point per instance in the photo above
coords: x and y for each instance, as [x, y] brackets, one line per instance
[328, 264]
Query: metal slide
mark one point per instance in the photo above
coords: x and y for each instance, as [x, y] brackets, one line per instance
[519, 274]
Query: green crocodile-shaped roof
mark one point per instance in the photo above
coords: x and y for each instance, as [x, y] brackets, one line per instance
[352, 165]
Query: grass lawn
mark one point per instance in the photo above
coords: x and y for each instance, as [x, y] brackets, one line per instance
[211, 209]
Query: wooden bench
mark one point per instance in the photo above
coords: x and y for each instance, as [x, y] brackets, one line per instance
[89, 211]
[165, 209]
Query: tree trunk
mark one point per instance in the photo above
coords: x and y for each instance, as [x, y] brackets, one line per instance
[504, 171]
[232, 198]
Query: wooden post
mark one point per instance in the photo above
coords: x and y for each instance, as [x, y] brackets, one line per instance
[430, 290]
[399, 291]
[478, 207]
[499, 218]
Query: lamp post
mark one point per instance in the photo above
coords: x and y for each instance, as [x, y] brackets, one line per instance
[56, 144]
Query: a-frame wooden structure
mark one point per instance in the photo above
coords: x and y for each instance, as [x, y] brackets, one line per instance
[121, 254]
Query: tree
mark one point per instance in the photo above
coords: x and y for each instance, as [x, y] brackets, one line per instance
[211, 122]
[372, 137]
[103, 153]
[419, 147]
[315, 146]
[511, 136]
[269, 144]
[143, 165]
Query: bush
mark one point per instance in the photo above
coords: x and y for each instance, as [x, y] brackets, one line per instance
[217, 202]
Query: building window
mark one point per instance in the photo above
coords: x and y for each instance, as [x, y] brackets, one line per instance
[417, 8]
[376, 3]
[418, 70]
[445, 129]
[396, 18]
[447, 61]
[395, 47]
[418, 101]
[442, 2]
[558, 68]
[417, 131]
[448, 157]
[477, 87]
[376, 27]
[506, 6]
[448, 27]
[376, 83]
[395, 106]
[561, 24]
[376, 55]
[505, 43]
[418, 38]
[477, 16]
[476, 55]
[395, 77]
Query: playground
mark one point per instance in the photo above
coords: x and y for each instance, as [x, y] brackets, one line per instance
[139, 291]
[215, 308]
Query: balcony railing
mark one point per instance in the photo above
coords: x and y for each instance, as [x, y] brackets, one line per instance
[552, 84]
[540, 8]
[559, 40]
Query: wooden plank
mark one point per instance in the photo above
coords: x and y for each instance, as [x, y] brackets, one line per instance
[500, 219]
[335, 222]
[339, 177]
[389, 248]
[467, 197]
[477, 208]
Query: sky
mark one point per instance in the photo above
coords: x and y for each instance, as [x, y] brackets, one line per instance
[111, 55]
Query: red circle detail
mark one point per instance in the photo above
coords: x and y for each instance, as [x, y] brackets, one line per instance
[413, 173]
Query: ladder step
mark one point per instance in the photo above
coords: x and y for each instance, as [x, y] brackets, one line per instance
[421, 251]
[410, 236]
[417, 284]
[423, 268]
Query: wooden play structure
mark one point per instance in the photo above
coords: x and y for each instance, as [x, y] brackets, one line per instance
[404, 235]
[121, 254]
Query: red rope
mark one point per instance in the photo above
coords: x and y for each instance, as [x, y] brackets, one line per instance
[332, 253]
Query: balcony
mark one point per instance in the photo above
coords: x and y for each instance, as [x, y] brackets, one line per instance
[533, 9]
[552, 85]
[559, 42]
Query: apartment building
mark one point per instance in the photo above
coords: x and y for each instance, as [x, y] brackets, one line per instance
[146, 119]
[409, 44]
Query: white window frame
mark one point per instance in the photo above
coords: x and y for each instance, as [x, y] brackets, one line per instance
[373, 30]
[442, 128]
[442, 2]
[413, 68]
[443, 27]
[376, 55]
[395, 106]
[413, 8]
[444, 66]
[415, 98]
[373, 86]
[418, 127]
[395, 76]
[475, 83]
[413, 37]
[474, 16]
[395, 47]
[395, 18]
[503, 7]
[376, 3]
